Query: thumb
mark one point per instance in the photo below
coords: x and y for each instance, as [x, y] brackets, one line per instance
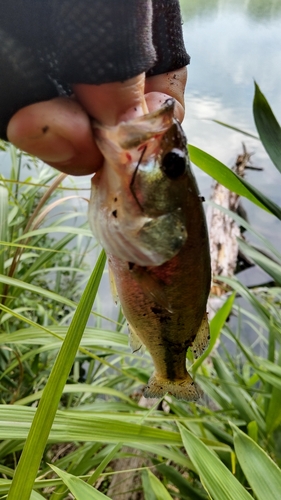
[110, 102]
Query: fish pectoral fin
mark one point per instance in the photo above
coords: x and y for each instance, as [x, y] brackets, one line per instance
[185, 389]
[151, 287]
[135, 342]
[202, 338]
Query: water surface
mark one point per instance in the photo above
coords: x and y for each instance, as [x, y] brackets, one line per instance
[232, 43]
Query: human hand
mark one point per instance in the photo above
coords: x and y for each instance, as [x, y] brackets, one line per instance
[59, 131]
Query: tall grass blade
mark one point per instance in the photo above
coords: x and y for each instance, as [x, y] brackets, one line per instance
[80, 490]
[92, 479]
[240, 398]
[231, 181]
[35, 289]
[243, 223]
[268, 127]
[244, 132]
[4, 206]
[261, 472]
[249, 297]
[88, 426]
[154, 486]
[216, 478]
[267, 264]
[29, 463]
[184, 486]
[273, 414]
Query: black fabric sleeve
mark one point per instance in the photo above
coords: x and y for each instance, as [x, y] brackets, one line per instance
[104, 41]
[46, 45]
[167, 37]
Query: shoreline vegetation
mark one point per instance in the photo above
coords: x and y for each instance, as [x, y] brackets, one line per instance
[90, 418]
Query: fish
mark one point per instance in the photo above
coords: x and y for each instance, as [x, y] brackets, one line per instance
[146, 211]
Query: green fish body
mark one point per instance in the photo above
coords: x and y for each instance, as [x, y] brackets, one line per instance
[146, 211]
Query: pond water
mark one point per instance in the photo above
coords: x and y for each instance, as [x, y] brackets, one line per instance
[232, 43]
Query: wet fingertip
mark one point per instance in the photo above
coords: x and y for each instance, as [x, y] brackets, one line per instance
[48, 146]
[155, 100]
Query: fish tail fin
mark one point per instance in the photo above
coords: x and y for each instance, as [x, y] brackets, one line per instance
[182, 389]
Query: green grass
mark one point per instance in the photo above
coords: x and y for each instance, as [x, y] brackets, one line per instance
[70, 386]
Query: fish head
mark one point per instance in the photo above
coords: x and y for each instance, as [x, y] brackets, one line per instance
[137, 203]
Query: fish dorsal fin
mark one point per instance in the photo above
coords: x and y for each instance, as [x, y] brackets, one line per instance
[135, 342]
[202, 338]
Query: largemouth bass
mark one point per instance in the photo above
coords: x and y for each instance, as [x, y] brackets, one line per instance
[146, 211]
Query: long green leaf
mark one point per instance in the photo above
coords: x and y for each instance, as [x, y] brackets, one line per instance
[267, 264]
[35, 289]
[187, 491]
[54, 229]
[3, 227]
[243, 223]
[268, 127]
[153, 485]
[80, 489]
[215, 477]
[244, 132]
[249, 297]
[92, 337]
[87, 426]
[231, 181]
[29, 463]
[273, 415]
[241, 400]
[110, 456]
[261, 472]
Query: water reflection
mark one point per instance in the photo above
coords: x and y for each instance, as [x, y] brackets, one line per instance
[231, 44]
[258, 10]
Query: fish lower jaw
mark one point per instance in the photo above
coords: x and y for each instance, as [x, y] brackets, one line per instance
[185, 389]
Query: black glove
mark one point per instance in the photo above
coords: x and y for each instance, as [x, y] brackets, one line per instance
[46, 45]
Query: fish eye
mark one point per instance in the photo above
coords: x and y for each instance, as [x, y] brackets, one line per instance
[174, 163]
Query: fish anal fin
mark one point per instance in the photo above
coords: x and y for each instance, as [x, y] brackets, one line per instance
[185, 389]
[135, 342]
[202, 338]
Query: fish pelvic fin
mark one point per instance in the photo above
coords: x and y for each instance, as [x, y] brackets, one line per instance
[202, 338]
[151, 286]
[185, 389]
[113, 287]
[135, 342]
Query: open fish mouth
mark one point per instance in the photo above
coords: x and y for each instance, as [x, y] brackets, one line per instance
[136, 207]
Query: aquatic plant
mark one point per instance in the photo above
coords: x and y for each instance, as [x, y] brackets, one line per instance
[226, 447]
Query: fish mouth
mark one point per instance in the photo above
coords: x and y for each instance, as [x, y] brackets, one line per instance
[136, 132]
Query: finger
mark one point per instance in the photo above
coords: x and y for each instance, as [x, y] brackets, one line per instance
[59, 132]
[158, 88]
[111, 103]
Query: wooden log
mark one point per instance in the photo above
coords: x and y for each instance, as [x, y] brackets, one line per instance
[223, 230]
